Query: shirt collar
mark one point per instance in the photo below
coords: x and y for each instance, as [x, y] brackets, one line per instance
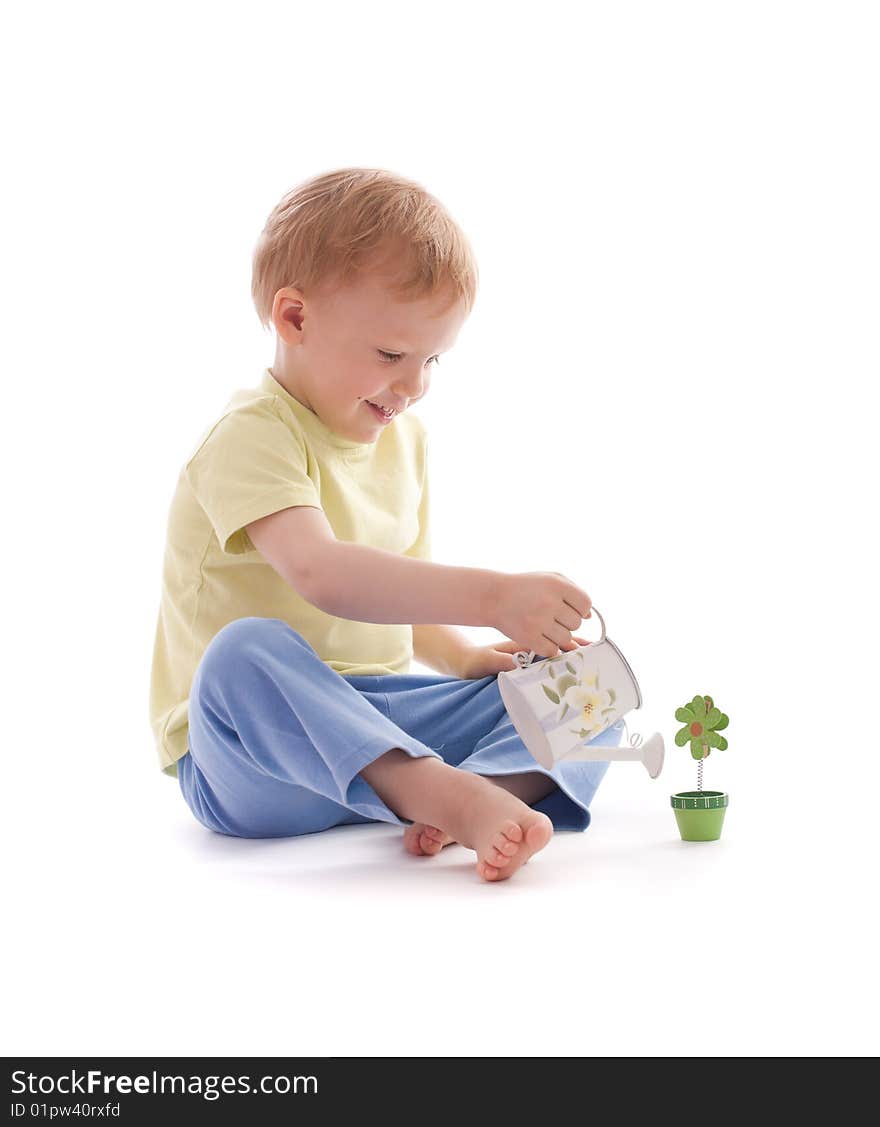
[309, 419]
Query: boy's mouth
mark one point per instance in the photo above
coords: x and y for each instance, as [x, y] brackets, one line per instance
[385, 415]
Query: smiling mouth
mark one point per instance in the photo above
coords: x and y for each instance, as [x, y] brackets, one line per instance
[388, 412]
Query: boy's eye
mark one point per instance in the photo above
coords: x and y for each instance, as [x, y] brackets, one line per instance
[390, 357]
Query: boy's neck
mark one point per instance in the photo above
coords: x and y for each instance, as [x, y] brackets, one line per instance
[280, 371]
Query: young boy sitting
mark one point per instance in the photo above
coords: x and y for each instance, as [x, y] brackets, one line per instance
[297, 582]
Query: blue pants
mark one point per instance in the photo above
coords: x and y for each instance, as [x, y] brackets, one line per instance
[277, 737]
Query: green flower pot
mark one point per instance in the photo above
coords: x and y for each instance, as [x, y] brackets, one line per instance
[699, 813]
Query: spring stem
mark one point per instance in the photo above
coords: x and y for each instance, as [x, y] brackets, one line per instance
[699, 774]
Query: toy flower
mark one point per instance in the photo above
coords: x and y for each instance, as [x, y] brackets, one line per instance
[702, 722]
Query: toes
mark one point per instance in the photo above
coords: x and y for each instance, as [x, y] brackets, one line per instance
[417, 842]
[512, 831]
[429, 845]
[506, 843]
[513, 846]
[422, 840]
[502, 845]
[539, 833]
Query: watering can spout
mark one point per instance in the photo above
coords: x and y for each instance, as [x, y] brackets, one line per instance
[650, 754]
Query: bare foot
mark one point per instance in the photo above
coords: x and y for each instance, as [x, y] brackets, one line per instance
[502, 830]
[422, 840]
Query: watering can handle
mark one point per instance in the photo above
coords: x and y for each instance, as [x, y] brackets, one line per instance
[524, 658]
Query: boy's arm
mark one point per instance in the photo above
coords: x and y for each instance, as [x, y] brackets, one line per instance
[441, 648]
[366, 584]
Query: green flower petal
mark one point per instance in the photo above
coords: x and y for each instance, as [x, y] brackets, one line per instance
[682, 736]
[713, 718]
[685, 715]
[722, 743]
[722, 723]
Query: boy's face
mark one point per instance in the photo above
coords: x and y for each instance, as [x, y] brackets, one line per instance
[336, 351]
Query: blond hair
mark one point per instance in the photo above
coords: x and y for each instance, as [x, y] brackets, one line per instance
[336, 225]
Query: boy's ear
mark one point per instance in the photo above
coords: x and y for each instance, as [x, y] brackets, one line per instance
[288, 309]
[293, 314]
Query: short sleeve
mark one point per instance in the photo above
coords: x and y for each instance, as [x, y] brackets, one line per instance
[421, 547]
[251, 464]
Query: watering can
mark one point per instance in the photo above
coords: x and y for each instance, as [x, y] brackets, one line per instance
[559, 704]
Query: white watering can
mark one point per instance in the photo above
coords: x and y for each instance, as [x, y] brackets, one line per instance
[559, 704]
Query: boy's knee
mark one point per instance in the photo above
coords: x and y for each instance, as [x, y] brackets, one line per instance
[244, 640]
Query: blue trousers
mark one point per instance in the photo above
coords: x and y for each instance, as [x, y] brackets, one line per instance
[277, 738]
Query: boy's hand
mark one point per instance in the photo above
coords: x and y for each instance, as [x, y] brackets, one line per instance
[539, 609]
[496, 657]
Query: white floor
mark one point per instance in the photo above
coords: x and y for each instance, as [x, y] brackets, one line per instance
[143, 933]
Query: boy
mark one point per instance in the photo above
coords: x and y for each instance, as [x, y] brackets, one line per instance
[297, 583]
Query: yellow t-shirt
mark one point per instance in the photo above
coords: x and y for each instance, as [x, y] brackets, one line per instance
[267, 452]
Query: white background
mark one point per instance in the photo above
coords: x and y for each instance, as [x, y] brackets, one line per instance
[666, 391]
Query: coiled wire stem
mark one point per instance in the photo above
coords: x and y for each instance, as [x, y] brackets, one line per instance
[700, 773]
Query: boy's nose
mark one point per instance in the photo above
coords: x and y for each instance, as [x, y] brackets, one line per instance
[410, 387]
